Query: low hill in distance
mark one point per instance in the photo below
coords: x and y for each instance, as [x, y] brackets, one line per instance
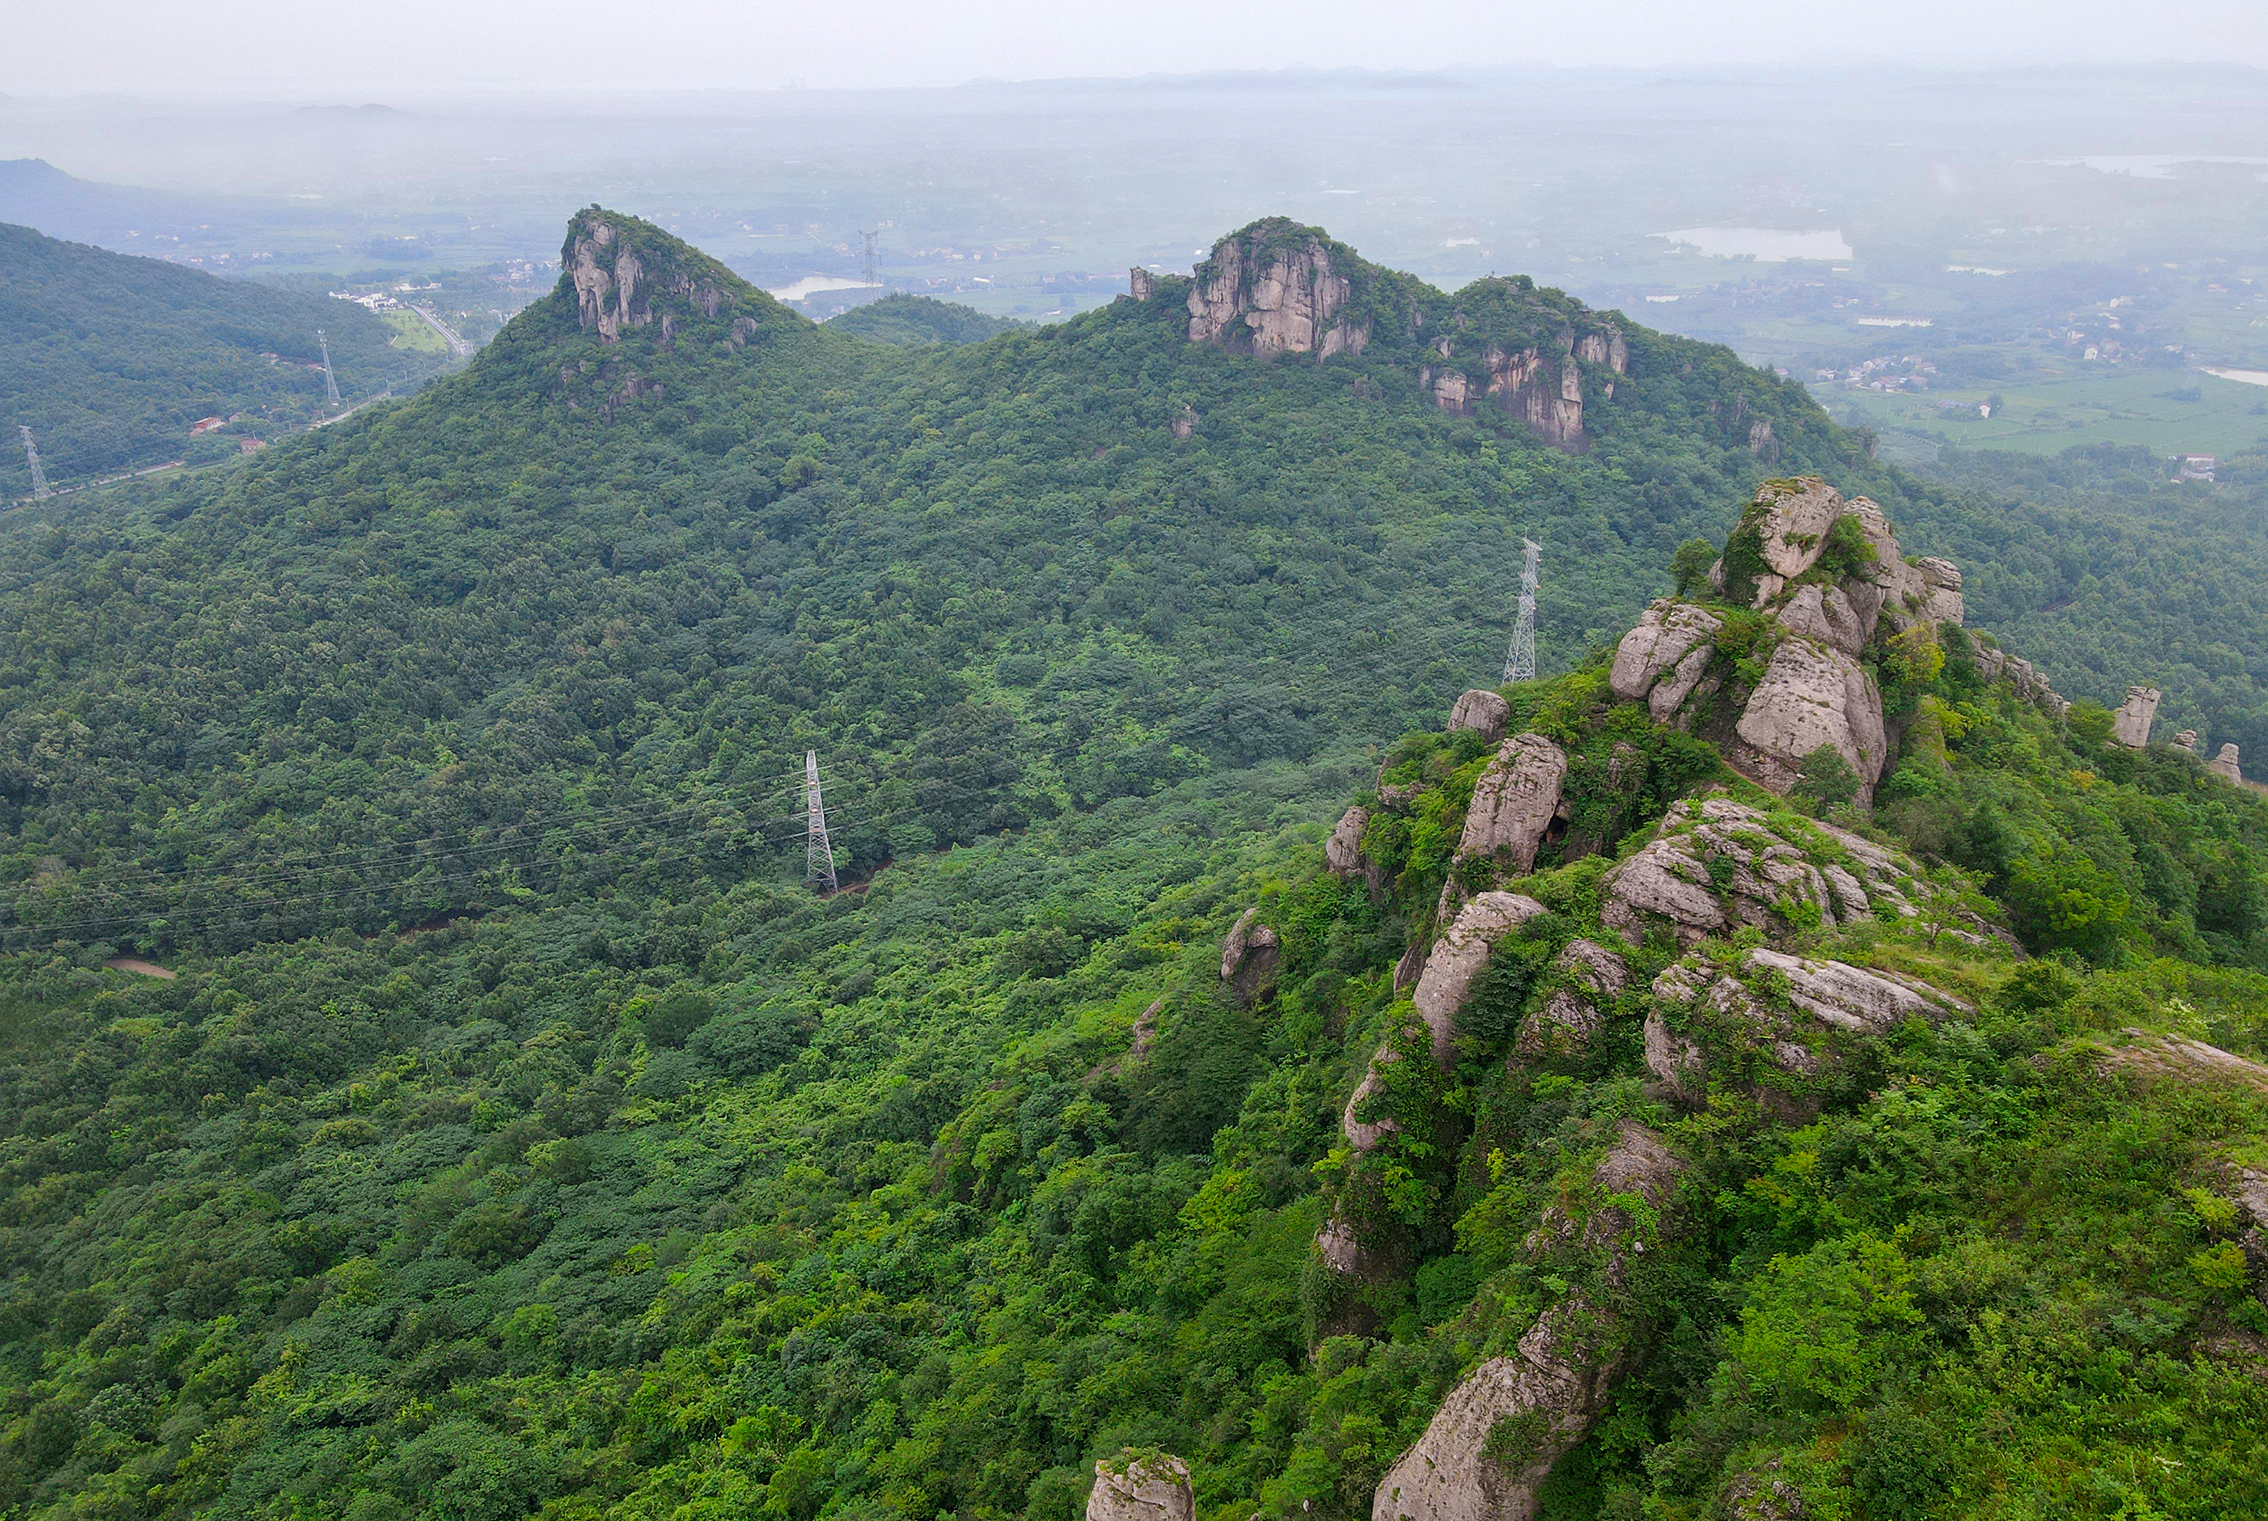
[913, 321]
[110, 359]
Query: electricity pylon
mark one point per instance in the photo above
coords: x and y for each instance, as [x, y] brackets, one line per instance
[31, 458]
[1520, 660]
[330, 381]
[867, 241]
[818, 855]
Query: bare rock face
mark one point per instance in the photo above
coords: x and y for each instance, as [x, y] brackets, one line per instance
[1140, 283]
[2130, 726]
[1796, 517]
[1342, 853]
[1541, 1401]
[1184, 421]
[1459, 957]
[1482, 711]
[2224, 765]
[1607, 347]
[1364, 1135]
[1852, 998]
[1570, 1016]
[1249, 956]
[615, 289]
[1943, 603]
[1544, 393]
[1514, 801]
[1149, 1487]
[1812, 696]
[1825, 614]
[1998, 665]
[1667, 635]
[2186, 739]
[1271, 290]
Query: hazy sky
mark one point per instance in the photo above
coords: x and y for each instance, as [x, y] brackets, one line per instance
[294, 46]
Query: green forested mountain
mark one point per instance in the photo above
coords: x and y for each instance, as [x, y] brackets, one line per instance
[520, 1136]
[109, 358]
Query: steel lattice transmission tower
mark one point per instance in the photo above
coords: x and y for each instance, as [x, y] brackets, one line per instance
[1520, 660]
[330, 381]
[31, 458]
[818, 855]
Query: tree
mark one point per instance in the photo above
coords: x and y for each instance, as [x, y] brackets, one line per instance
[1689, 565]
[1826, 780]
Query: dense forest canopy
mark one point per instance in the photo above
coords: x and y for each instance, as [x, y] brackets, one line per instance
[109, 359]
[519, 1135]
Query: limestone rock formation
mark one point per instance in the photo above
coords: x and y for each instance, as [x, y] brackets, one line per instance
[1719, 864]
[1540, 1401]
[1810, 696]
[2186, 739]
[1514, 802]
[1997, 664]
[1793, 525]
[1943, 602]
[1342, 853]
[1458, 958]
[2130, 725]
[1141, 1487]
[617, 286]
[2224, 765]
[1666, 641]
[1786, 1008]
[1271, 289]
[1249, 956]
[1825, 614]
[1484, 712]
[1140, 283]
[1527, 382]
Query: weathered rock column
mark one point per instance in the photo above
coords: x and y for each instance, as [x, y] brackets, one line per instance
[1149, 1486]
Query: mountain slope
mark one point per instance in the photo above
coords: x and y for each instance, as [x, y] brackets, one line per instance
[109, 359]
[518, 1136]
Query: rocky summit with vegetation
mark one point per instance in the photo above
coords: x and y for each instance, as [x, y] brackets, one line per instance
[1788, 1062]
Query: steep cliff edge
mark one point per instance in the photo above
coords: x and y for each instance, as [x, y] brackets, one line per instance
[1278, 288]
[622, 274]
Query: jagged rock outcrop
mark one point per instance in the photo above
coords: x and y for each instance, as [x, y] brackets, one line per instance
[2186, 739]
[2130, 725]
[1249, 956]
[1812, 695]
[1663, 658]
[1784, 1007]
[1133, 1486]
[1570, 1016]
[1514, 802]
[1271, 289]
[1140, 283]
[1342, 852]
[1718, 864]
[1997, 664]
[1942, 601]
[1543, 390]
[2224, 765]
[1484, 712]
[627, 274]
[1487, 1451]
[1825, 614]
[1459, 957]
[1792, 527]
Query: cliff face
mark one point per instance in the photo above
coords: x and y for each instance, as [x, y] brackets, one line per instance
[625, 274]
[1277, 288]
[1272, 289]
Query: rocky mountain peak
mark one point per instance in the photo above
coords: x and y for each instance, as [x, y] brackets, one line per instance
[623, 273]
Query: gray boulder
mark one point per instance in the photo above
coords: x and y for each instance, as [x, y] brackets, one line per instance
[1666, 636]
[1148, 1487]
[1249, 956]
[2130, 725]
[1810, 696]
[2224, 765]
[1942, 597]
[1825, 613]
[1794, 521]
[1458, 958]
[1482, 711]
[1514, 802]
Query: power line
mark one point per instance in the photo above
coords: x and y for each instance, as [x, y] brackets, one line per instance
[330, 381]
[1520, 660]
